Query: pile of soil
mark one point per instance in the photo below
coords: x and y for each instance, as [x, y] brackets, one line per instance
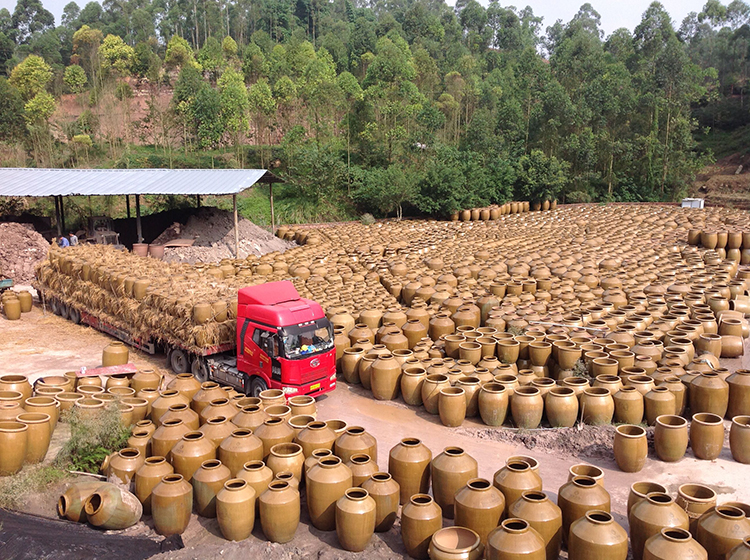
[213, 231]
[20, 249]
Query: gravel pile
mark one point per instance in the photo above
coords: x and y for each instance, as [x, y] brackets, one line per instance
[21, 247]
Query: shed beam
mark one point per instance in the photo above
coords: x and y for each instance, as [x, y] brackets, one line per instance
[127, 204]
[57, 216]
[62, 214]
[273, 218]
[138, 230]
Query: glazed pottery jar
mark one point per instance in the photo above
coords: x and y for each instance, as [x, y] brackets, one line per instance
[431, 388]
[161, 405]
[471, 386]
[326, 483]
[217, 429]
[250, 417]
[597, 406]
[671, 437]
[657, 402]
[171, 504]
[679, 391]
[148, 476]
[38, 435]
[451, 470]
[355, 519]
[182, 411]
[348, 364]
[385, 378]
[707, 435]
[515, 478]
[739, 393]
[739, 439]
[630, 447]
[452, 543]
[363, 369]
[145, 379]
[270, 397]
[355, 439]
[629, 406]
[9, 410]
[112, 508]
[208, 481]
[515, 538]
[740, 552]
[257, 475]
[122, 466]
[695, 499]
[279, 508]
[272, 432]
[452, 406]
[189, 453]
[544, 516]
[672, 543]
[583, 469]
[709, 393]
[385, 492]
[362, 467]
[493, 404]
[71, 502]
[421, 518]
[721, 530]
[409, 465]
[479, 506]
[286, 457]
[579, 496]
[222, 407]
[15, 382]
[561, 407]
[316, 435]
[303, 404]
[235, 509]
[527, 407]
[209, 391]
[186, 384]
[597, 535]
[115, 354]
[639, 491]
[412, 379]
[647, 519]
[239, 448]
[166, 437]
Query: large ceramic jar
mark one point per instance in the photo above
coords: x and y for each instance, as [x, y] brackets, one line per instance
[208, 481]
[279, 511]
[272, 432]
[639, 491]
[316, 435]
[348, 364]
[739, 393]
[452, 543]
[739, 439]
[385, 377]
[629, 406]
[515, 478]
[71, 503]
[479, 506]
[597, 406]
[695, 499]
[286, 457]
[707, 435]
[671, 437]
[420, 519]
[182, 411]
[597, 535]
[355, 440]
[515, 538]
[671, 544]
[115, 354]
[544, 516]
[452, 406]
[123, 465]
[431, 388]
[171, 504]
[219, 407]
[355, 519]
[166, 437]
[326, 483]
[16, 382]
[409, 465]
[385, 491]
[657, 402]
[257, 475]
[235, 509]
[578, 497]
[362, 467]
[250, 416]
[740, 552]
[189, 453]
[471, 386]
[493, 404]
[709, 393]
[13, 446]
[161, 405]
[412, 380]
[630, 447]
[38, 435]
[209, 391]
[451, 470]
[239, 448]
[561, 407]
[111, 507]
[186, 384]
[722, 529]
[527, 407]
[650, 516]
[145, 379]
[148, 476]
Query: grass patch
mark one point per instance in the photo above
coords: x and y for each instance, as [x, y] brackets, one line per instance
[92, 438]
[32, 479]
[724, 143]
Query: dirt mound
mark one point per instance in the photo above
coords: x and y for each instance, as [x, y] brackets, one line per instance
[213, 231]
[20, 249]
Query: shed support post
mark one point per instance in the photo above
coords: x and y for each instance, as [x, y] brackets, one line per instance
[273, 218]
[57, 216]
[139, 232]
[127, 204]
[62, 215]
[197, 201]
[236, 228]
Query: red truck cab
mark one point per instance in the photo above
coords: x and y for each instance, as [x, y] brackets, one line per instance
[283, 341]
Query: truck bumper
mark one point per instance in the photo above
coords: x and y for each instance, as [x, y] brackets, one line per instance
[315, 388]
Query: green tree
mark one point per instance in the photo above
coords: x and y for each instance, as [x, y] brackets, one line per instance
[12, 124]
[540, 177]
[262, 110]
[31, 76]
[385, 190]
[234, 108]
[179, 54]
[117, 55]
[86, 42]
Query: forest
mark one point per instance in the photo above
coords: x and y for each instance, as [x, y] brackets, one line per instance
[390, 107]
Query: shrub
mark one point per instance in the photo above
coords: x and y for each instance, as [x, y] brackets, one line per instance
[367, 219]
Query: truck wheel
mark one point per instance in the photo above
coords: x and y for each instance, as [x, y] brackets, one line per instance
[257, 384]
[199, 369]
[74, 315]
[64, 310]
[178, 361]
[54, 306]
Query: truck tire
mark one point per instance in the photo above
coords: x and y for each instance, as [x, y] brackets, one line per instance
[178, 361]
[54, 306]
[199, 369]
[64, 310]
[74, 315]
[257, 384]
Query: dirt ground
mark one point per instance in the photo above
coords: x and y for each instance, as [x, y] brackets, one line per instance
[40, 345]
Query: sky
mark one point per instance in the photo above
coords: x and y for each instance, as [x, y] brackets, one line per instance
[615, 14]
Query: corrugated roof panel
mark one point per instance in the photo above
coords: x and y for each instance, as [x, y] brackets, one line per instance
[53, 182]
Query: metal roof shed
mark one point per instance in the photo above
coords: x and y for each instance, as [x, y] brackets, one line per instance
[101, 182]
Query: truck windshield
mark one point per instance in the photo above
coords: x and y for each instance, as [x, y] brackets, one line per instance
[304, 340]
